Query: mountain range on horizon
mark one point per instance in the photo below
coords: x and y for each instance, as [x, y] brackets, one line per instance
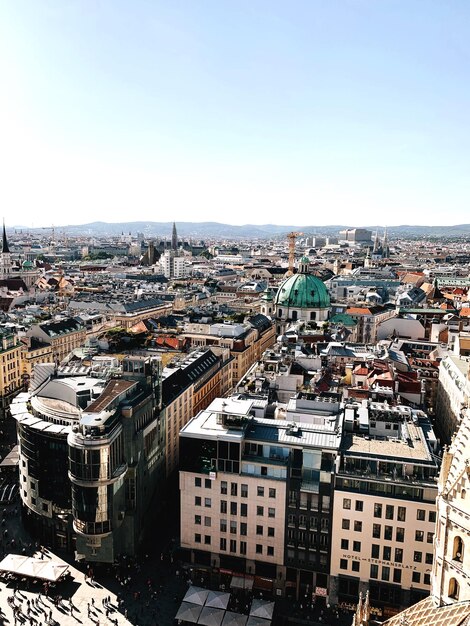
[201, 230]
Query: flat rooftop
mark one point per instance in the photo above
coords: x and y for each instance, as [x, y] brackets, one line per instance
[111, 392]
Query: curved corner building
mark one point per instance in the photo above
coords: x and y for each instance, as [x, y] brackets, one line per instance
[91, 456]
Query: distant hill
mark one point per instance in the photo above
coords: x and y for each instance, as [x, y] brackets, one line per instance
[204, 230]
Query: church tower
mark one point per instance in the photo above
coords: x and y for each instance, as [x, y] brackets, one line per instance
[5, 259]
[174, 238]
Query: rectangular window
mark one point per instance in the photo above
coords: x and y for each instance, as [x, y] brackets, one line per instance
[260, 491]
[197, 481]
[429, 537]
[197, 501]
[375, 551]
[233, 489]
[396, 575]
[272, 492]
[223, 487]
[197, 519]
[345, 524]
[344, 544]
[207, 540]
[343, 564]
[400, 534]
[389, 510]
[233, 545]
[374, 571]
[233, 508]
[359, 505]
[260, 510]
[270, 551]
[207, 521]
[428, 558]
[244, 491]
[398, 555]
[223, 525]
[259, 548]
[387, 553]
[271, 512]
[388, 533]
[355, 566]
[376, 528]
[421, 515]
[377, 510]
[242, 547]
[223, 544]
[208, 483]
[417, 556]
[346, 503]
[223, 506]
[356, 546]
[416, 577]
[243, 509]
[233, 527]
[427, 579]
[197, 538]
[357, 526]
[419, 535]
[385, 573]
[401, 514]
[243, 529]
[432, 516]
[207, 502]
[270, 531]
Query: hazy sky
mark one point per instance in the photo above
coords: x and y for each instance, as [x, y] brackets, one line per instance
[256, 111]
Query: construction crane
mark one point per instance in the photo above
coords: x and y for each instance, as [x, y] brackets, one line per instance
[291, 237]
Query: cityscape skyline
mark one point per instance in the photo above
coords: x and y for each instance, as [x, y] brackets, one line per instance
[344, 111]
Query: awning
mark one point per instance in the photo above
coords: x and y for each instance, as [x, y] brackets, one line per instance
[196, 595]
[262, 608]
[234, 619]
[240, 582]
[210, 616]
[218, 599]
[189, 612]
[44, 569]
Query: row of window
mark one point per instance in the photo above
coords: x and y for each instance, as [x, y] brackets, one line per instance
[308, 522]
[385, 573]
[234, 508]
[387, 531]
[260, 490]
[390, 511]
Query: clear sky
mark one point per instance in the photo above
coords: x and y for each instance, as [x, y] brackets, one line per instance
[238, 111]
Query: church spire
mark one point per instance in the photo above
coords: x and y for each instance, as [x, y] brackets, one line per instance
[174, 238]
[5, 248]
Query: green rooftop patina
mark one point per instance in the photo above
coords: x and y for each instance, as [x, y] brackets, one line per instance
[303, 291]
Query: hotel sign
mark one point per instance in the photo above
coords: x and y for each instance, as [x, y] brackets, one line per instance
[352, 557]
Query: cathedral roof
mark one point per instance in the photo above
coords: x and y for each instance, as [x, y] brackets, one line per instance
[303, 291]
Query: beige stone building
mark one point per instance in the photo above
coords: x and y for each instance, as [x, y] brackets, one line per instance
[10, 366]
[63, 336]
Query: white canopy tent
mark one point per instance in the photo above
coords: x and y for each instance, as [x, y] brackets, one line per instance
[44, 569]
[234, 619]
[196, 595]
[189, 612]
[218, 599]
[262, 608]
[211, 616]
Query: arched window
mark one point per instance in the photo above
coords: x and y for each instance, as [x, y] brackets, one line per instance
[457, 552]
[454, 589]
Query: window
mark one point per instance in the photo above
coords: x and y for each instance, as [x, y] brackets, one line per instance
[355, 566]
[243, 529]
[223, 506]
[401, 514]
[458, 549]
[271, 512]
[272, 493]
[259, 529]
[233, 508]
[356, 546]
[375, 551]
[343, 564]
[344, 544]
[197, 519]
[208, 483]
[388, 533]
[242, 547]
[387, 553]
[223, 525]
[396, 575]
[233, 545]
[207, 502]
[207, 540]
[454, 589]
[207, 521]
[389, 511]
[270, 551]
[259, 548]
[432, 516]
[400, 534]
[244, 491]
[385, 573]
[345, 524]
[197, 501]
[223, 487]
[429, 537]
[357, 526]
[428, 558]
[223, 544]
[233, 489]
[260, 491]
[374, 571]
[416, 577]
[419, 535]
[427, 579]
[417, 556]
[260, 510]
[197, 538]
[421, 515]
[233, 527]
[359, 505]
[377, 510]
[270, 531]
[398, 555]
[243, 510]
[197, 481]
[346, 503]
[376, 528]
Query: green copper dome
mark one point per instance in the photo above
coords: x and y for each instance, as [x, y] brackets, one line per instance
[303, 291]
